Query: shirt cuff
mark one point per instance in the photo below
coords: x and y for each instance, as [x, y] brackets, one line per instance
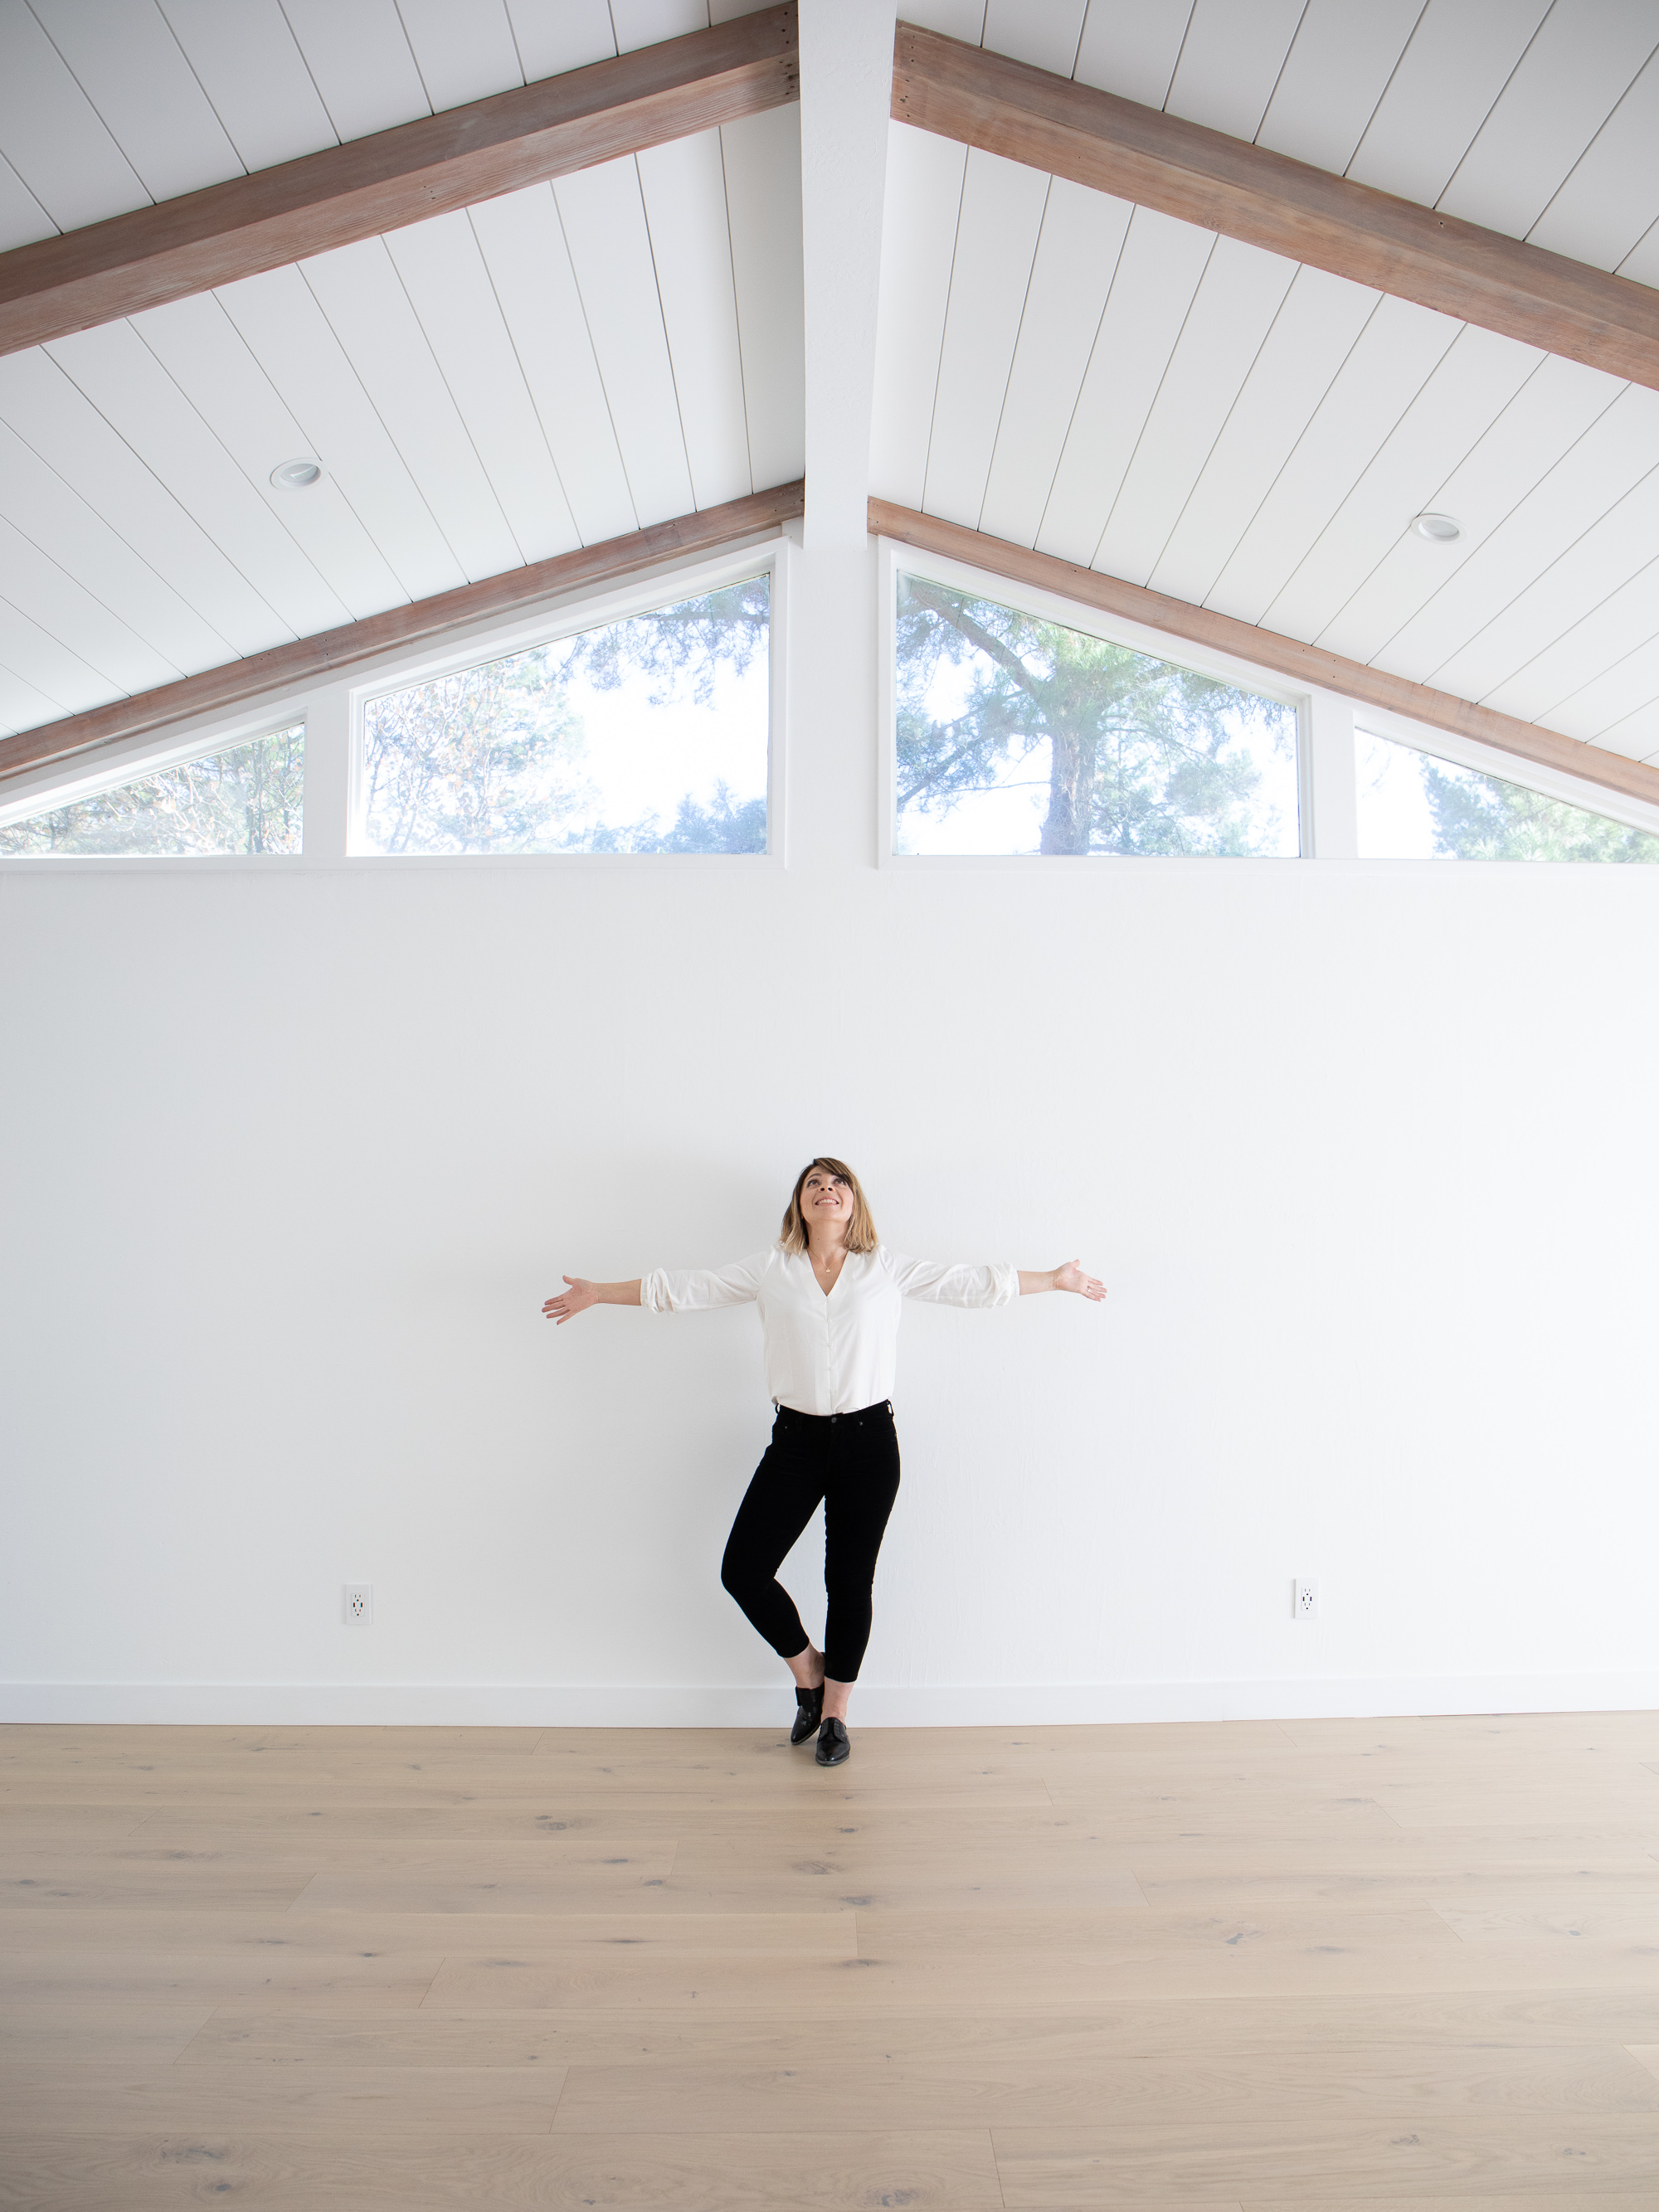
[654, 1291]
[1005, 1279]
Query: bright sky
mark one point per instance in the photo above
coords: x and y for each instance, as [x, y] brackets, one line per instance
[643, 759]
[1394, 822]
[638, 760]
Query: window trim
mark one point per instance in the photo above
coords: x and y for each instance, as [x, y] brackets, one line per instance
[330, 708]
[893, 556]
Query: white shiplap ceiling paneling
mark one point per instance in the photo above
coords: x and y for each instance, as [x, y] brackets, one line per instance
[1533, 118]
[489, 389]
[563, 364]
[107, 107]
[1197, 416]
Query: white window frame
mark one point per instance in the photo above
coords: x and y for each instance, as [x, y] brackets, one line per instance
[330, 708]
[894, 557]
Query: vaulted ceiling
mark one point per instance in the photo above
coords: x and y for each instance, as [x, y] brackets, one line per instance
[1056, 367]
[563, 364]
[1123, 390]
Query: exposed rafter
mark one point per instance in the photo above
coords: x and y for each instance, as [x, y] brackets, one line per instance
[1266, 649]
[400, 176]
[286, 665]
[1221, 184]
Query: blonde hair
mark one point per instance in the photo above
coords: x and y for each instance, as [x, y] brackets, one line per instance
[860, 1231]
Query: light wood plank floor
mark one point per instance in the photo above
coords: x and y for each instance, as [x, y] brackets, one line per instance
[1314, 1965]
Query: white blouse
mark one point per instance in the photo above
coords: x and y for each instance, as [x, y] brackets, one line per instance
[834, 1354]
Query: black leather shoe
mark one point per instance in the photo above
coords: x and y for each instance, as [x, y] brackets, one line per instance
[809, 1708]
[834, 1748]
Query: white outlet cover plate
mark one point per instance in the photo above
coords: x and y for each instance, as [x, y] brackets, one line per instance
[357, 1605]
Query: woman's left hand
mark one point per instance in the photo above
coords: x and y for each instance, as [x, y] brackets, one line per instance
[1071, 1277]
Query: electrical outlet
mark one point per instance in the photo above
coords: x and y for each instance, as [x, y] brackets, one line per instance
[1304, 1601]
[360, 1605]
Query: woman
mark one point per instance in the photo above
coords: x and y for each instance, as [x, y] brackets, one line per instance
[829, 1293]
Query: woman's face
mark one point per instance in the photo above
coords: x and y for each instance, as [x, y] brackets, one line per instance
[825, 1198]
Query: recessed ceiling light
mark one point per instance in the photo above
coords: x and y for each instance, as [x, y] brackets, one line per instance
[1440, 527]
[295, 476]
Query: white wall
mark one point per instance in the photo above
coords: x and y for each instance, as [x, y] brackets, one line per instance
[1364, 1151]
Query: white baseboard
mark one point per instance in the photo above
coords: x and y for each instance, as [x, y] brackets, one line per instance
[1036, 1704]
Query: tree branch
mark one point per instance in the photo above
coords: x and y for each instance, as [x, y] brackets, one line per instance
[943, 768]
[965, 626]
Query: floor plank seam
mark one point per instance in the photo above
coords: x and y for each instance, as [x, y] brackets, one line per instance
[996, 2166]
[553, 2117]
[1445, 1922]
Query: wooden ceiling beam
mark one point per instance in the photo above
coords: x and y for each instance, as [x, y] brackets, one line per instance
[284, 666]
[373, 185]
[1266, 649]
[1221, 184]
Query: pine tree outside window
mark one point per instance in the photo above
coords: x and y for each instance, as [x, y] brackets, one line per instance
[1017, 734]
[1415, 807]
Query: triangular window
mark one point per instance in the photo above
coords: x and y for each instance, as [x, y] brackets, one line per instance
[248, 798]
[1415, 807]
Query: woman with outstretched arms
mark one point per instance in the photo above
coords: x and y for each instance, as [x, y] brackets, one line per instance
[829, 1294]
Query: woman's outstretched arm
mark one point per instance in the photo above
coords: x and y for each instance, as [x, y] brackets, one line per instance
[942, 1284]
[583, 1294]
[687, 1290]
[1070, 1277]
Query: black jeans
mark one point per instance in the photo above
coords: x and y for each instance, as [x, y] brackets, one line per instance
[850, 1461]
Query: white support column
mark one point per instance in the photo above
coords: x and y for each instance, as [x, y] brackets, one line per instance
[847, 97]
[328, 772]
[846, 100]
[1334, 808]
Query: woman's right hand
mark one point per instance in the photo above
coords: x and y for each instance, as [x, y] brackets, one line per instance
[581, 1295]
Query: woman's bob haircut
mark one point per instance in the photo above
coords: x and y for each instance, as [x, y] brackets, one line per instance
[860, 1230]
